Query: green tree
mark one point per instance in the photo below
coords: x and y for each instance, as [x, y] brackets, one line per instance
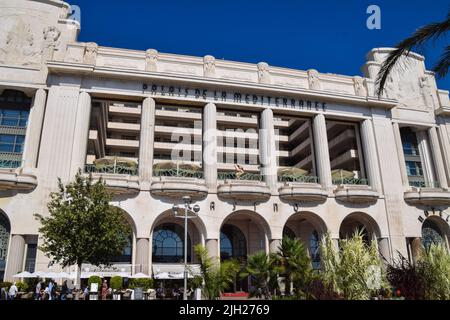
[82, 226]
[422, 36]
[434, 264]
[352, 270]
[294, 264]
[260, 267]
[217, 277]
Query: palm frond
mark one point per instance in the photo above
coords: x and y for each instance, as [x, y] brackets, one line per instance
[441, 67]
[432, 31]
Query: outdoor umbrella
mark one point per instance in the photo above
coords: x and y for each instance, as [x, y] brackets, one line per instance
[162, 275]
[341, 174]
[292, 171]
[139, 275]
[39, 274]
[24, 274]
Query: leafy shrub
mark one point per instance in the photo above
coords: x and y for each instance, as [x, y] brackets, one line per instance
[195, 282]
[435, 265]
[5, 285]
[144, 283]
[94, 279]
[32, 283]
[22, 286]
[116, 283]
[408, 278]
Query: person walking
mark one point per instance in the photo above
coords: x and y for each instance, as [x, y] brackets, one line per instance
[13, 291]
[50, 290]
[64, 290]
[37, 292]
[104, 289]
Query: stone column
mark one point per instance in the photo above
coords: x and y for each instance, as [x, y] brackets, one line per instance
[274, 245]
[146, 140]
[142, 255]
[212, 245]
[81, 133]
[445, 144]
[335, 242]
[370, 153]
[425, 156]
[437, 157]
[268, 150]
[210, 146]
[416, 245]
[15, 257]
[322, 152]
[383, 247]
[400, 154]
[34, 129]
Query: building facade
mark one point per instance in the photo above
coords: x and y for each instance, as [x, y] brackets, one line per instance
[265, 151]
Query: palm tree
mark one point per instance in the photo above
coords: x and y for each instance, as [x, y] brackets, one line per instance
[294, 263]
[432, 31]
[260, 267]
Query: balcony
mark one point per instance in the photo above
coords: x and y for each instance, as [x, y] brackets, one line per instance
[119, 178]
[351, 189]
[12, 175]
[177, 180]
[245, 186]
[427, 193]
[304, 188]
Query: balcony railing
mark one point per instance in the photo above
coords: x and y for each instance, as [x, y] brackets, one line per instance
[237, 176]
[297, 178]
[114, 169]
[180, 173]
[424, 184]
[10, 164]
[351, 181]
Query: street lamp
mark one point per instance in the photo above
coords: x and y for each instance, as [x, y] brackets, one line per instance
[189, 212]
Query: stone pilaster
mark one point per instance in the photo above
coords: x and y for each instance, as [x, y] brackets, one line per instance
[274, 245]
[322, 152]
[146, 140]
[15, 257]
[437, 157]
[445, 145]
[34, 129]
[370, 153]
[210, 146]
[383, 247]
[212, 245]
[80, 139]
[268, 150]
[425, 157]
[400, 154]
[142, 255]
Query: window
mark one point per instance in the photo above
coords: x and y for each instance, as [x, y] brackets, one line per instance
[431, 234]
[4, 239]
[11, 143]
[30, 261]
[168, 244]
[232, 243]
[414, 168]
[13, 118]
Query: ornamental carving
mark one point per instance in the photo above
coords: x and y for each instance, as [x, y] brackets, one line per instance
[151, 60]
[427, 91]
[360, 85]
[90, 53]
[209, 66]
[51, 36]
[313, 79]
[263, 73]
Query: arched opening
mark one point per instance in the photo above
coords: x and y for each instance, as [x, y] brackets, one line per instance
[126, 257]
[168, 244]
[361, 223]
[243, 233]
[308, 228]
[434, 231]
[5, 232]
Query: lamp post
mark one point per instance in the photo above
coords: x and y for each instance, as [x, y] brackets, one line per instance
[194, 211]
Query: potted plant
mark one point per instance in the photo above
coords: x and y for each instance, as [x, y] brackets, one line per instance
[94, 284]
[140, 285]
[116, 285]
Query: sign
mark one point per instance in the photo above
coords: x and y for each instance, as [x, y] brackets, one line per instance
[94, 287]
[433, 212]
[209, 95]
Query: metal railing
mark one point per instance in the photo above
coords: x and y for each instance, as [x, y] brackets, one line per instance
[424, 184]
[227, 175]
[298, 178]
[115, 169]
[10, 164]
[351, 181]
[180, 173]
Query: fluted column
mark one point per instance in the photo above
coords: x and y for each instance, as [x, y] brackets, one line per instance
[370, 153]
[267, 149]
[437, 157]
[142, 255]
[445, 143]
[81, 134]
[416, 245]
[34, 129]
[210, 146]
[274, 245]
[425, 157]
[146, 140]
[212, 245]
[322, 152]
[383, 246]
[15, 257]
[400, 154]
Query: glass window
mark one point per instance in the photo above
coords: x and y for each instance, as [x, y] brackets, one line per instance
[431, 234]
[232, 243]
[168, 244]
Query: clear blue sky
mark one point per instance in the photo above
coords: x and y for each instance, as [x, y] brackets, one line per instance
[328, 35]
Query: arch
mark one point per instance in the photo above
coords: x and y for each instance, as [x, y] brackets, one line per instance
[435, 230]
[233, 243]
[5, 233]
[251, 215]
[359, 221]
[127, 253]
[168, 244]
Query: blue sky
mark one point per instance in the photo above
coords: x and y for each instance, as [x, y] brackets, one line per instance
[328, 35]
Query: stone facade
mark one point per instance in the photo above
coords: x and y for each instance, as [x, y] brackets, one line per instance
[66, 82]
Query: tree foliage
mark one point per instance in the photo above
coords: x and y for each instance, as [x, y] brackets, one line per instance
[261, 268]
[82, 226]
